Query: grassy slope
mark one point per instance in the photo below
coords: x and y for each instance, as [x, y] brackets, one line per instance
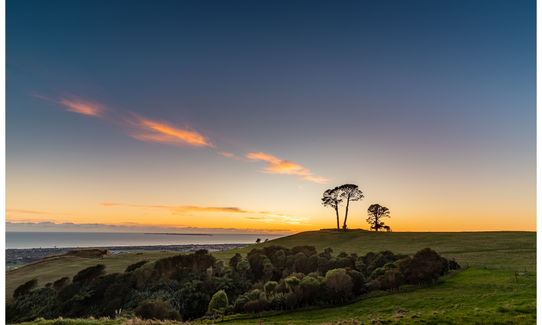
[53, 268]
[484, 293]
[499, 250]
[471, 296]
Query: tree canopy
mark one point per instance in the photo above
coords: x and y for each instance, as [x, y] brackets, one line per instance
[376, 213]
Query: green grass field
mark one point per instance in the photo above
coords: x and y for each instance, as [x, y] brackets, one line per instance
[484, 293]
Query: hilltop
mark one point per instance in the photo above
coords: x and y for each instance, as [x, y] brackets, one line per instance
[492, 249]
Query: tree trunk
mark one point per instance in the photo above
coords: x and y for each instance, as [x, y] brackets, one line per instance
[346, 213]
[337, 213]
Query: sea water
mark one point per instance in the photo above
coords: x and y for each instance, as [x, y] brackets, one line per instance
[108, 239]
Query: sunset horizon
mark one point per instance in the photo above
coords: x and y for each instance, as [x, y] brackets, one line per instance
[161, 120]
[271, 162]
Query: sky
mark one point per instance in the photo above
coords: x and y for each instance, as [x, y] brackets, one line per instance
[240, 114]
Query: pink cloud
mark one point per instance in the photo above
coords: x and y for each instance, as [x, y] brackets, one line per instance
[286, 167]
[155, 131]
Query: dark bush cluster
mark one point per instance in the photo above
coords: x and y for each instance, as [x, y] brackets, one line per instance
[156, 309]
[190, 286]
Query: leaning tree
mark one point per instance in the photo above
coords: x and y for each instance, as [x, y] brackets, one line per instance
[376, 213]
[331, 198]
[349, 192]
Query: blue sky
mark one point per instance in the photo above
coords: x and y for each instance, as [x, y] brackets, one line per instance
[414, 101]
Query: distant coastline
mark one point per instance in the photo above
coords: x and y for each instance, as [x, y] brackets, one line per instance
[18, 257]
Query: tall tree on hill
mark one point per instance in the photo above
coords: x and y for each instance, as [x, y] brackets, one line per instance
[331, 198]
[349, 192]
[376, 213]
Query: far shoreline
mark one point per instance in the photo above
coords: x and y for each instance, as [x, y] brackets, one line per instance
[16, 257]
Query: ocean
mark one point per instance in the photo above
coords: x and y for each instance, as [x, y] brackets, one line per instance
[108, 239]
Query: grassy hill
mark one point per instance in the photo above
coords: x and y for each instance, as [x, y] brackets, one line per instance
[486, 292]
[55, 267]
[510, 250]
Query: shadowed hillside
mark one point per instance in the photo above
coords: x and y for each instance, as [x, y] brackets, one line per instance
[499, 250]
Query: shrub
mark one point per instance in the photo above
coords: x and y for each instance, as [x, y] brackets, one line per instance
[360, 265]
[25, 288]
[307, 250]
[180, 266]
[267, 269]
[37, 303]
[291, 300]
[243, 266]
[270, 287]
[300, 262]
[338, 284]
[239, 305]
[61, 283]
[279, 259]
[135, 266]
[219, 268]
[424, 267]
[309, 288]
[255, 306]
[453, 265]
[89, 274]
[157, 309]
[193, 298]
[278, 302]
[292, 282]
[219, 302]
[391, 279]
[234, 260]
[358, 281]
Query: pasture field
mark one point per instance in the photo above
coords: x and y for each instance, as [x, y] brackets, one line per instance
[484, 292]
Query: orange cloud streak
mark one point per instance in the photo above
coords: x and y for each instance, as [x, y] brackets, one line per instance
[280, 166]
[85, 107]
[261, 216]
[77, 104]
[154, 131]
[178, 208]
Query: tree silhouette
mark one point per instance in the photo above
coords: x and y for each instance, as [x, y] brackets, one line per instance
[349, 192]
[376, 213]
[331, 198]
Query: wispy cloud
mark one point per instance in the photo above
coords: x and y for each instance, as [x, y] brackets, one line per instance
[181, 208]
[48, 226]
[139, 127]
[155, 131]
[30, 212]
[228, 155]
[81, 106]
[76, 104]
[260, 216]
[281, 166]
[283, 219]
[152, 130]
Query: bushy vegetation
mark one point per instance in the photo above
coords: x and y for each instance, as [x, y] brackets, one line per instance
[190, 286]
[25, 288]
